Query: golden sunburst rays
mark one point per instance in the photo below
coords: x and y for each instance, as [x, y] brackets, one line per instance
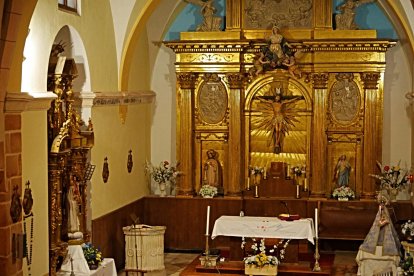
[264, 159]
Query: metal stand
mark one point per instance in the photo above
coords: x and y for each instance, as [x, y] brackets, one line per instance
[208, 260]
[316, 267]
[71, 267]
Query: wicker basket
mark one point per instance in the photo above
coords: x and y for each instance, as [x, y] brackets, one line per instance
[265, 270]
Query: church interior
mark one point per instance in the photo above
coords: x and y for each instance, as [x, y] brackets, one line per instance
[213, 128]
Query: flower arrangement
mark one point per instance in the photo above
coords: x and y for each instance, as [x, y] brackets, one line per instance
[392, 177]
[343, 192]
[407, 266]
[260, 257]
[407, 229]
[163, 172]
[208, 191]
[298, 171]
[92, 255]
[256, 170]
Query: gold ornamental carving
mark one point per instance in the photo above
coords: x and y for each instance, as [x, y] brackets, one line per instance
[344, 99]
[209, 58]
[235, 81]
[260, 14]
[370, 80]
[320, 80]
[212, 100]
[187, 80]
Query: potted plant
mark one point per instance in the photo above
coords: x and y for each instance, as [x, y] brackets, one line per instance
[92, 255]
[163, 173]
[343, 193]
[208, 191]
[261, 262]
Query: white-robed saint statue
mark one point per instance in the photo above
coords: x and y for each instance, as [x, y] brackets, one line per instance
[73, 201]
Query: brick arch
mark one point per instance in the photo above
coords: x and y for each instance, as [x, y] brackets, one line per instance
[11, 17]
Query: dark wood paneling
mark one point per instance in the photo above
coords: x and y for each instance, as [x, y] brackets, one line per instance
[107, 231]
[185, 219]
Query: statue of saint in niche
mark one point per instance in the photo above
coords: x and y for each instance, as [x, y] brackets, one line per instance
[208, 11]
[346, 19]
[342, 172]
[73, 202]
[212, 171]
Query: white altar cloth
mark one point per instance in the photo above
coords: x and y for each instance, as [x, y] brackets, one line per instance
[263, 227]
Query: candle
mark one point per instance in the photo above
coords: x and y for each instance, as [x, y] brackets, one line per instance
[316, 222]
[305, 185]
[288, 171]
[264, 176]
[208, 219]
[297, 191]
[248, 183]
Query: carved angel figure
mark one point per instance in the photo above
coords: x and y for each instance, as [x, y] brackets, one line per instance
[346, 19]
[211, 22]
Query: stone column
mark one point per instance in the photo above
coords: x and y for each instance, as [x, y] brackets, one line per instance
[372, 134]
[319, 143]
[185, 103]
[235, 162]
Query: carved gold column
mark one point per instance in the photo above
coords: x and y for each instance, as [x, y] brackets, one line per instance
[235, 134]
[233, 15]
[322, 12]
[185, 102]
[319, 144]
[372, 119]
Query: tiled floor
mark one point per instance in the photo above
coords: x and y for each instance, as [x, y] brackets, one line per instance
[344, 264]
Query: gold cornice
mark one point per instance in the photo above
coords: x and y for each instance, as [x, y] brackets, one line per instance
[349, 45]
[224, 46]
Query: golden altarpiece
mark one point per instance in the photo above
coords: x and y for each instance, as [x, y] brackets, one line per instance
[229, 97]
[69, 143]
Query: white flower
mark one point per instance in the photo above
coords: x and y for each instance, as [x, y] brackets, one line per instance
[343, 192]
[162, 173]
[408, 228]
[207, 190]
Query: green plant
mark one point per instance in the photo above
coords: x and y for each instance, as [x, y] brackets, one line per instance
[92, 255]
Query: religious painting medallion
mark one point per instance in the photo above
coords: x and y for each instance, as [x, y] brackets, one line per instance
[344, 99]
[212, 102]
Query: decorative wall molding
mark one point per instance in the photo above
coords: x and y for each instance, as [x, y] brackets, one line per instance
[123, 98]
[17, 102]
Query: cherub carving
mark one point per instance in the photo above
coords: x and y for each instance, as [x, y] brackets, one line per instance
[211, 22]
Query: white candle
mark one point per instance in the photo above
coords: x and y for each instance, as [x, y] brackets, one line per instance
[248, 183]
[297, 191]
[264, 176]
[316, 222]
[208, 219]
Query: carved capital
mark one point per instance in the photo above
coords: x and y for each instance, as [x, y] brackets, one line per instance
[187, 80]
[370, 80]
[236, 81]
[320, 80]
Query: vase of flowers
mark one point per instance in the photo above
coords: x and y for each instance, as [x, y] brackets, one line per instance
[208, 191]
[407, 229]
[256, 173]
[343, 193]
[264, 261]
[392, 179]
[162, 174]
[92, 255]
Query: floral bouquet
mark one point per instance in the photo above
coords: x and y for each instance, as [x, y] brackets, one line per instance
[343, 192]
[392, 177]
[92, 255]
[256, 170]
[407, 229]
[262, 258]
[162, 173]
[298, 171]
[208, 191]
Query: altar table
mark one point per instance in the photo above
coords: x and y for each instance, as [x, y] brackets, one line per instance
[264, 227]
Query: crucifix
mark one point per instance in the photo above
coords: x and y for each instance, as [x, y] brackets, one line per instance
[277, 115]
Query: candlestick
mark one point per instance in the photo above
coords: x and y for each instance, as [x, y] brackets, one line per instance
[208, 219]
[288, 172]
[264, 175]
[316, 222]
[316, 267]
[297, 191]
[305, 185]
[256, 191]
[248, 183]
